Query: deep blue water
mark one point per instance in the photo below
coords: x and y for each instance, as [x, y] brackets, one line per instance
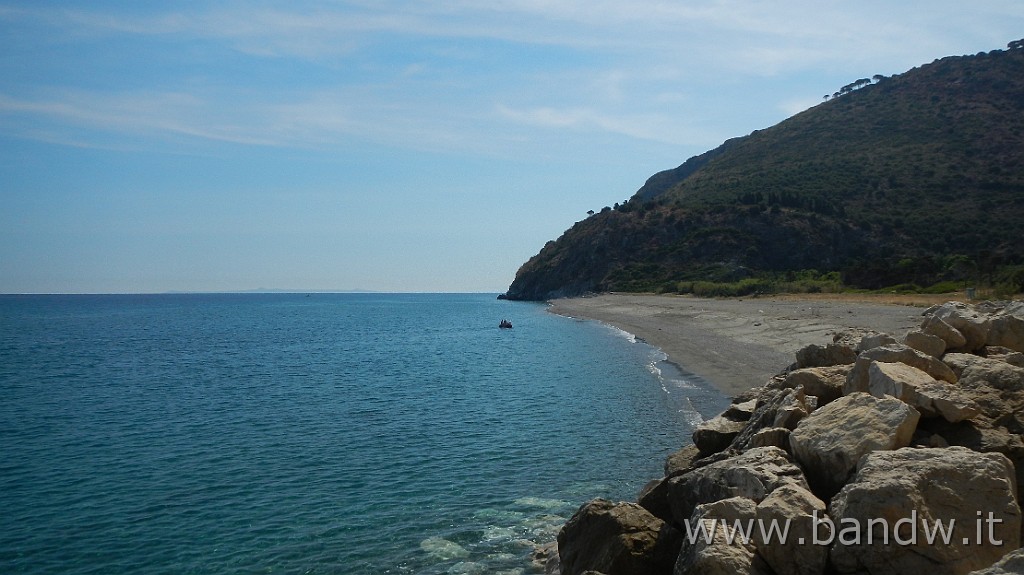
[329, 433]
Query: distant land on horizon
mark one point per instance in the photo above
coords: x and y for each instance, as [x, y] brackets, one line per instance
[185, 292]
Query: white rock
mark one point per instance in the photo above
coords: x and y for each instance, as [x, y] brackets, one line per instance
[909, 489]
[915, 387]
[932, 345]
[829, 442]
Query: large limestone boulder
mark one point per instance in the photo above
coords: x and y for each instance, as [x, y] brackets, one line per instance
[681, 460]
[1006, 327]
[825, 383]
[883, 517]
[771, 437]
[974, 325]
[983, 436]
[995, 373]
[824, 356]
[617, 539]
[717, 433]
[775, 408]
[752, 474]
[912, 386]
[998, 389]
[873, 340]
[958, 362]
[939, 328]
[798, 508]
[1003, 354]
[714, 548]
[895, 353]
[829, 443]
[932, 345]
[741, 410]
[654, 498]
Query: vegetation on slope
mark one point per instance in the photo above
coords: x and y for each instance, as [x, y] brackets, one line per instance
[913, 179]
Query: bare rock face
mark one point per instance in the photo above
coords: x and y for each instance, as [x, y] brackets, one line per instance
[796, 555]
[752, 474]
[1003, 354]
[825, 383]
[900, 495]
[1006, 327]
[771, 437]
[829, 443]
[874, 340]
[895, 353]
[983, 436]
[932, 345]
[958, 362]
[998, 389]
[716, 434]
[831, 354]
[939, 328]
[617, 539]
[717, 553]
[681, 460]
[973, 324]
[997, 374]
[654, 498]
[742, 410]
[926, 394]
[775, 408]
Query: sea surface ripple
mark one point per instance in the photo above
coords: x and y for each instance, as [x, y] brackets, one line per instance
[320, 433]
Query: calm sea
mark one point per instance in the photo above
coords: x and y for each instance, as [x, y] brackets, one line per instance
[328, 433]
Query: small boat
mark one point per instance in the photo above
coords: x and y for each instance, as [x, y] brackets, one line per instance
[505, 324]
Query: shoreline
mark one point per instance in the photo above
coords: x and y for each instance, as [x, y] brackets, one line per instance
[736, 344]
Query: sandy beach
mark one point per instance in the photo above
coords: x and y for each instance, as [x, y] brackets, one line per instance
[736, 344]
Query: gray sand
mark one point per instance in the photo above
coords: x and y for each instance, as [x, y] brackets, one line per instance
[736, 344]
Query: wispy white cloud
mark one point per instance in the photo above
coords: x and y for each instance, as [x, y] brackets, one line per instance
[137, 113]
[324, 121]
[722, 31]
[652, 70]
[661, 128]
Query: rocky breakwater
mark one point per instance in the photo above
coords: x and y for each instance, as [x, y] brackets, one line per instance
[869, 455]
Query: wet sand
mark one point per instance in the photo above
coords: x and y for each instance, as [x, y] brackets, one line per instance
[736, 344]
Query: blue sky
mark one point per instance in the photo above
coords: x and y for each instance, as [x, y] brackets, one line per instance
[389, 145]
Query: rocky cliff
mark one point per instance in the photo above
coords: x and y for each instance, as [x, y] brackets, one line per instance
[869, 455]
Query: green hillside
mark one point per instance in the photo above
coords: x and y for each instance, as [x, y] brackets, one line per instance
[915, 178]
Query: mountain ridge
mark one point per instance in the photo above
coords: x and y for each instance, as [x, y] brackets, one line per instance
[918, 177]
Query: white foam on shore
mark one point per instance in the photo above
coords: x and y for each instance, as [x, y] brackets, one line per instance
[631, 338]
[690, 414]
[677, 383]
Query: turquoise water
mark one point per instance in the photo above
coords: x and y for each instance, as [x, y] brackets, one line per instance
[329, 433]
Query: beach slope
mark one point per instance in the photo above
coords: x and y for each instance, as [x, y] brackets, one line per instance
[736, 344]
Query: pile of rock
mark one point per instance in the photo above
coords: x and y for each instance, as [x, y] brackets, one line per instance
[868, 455]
